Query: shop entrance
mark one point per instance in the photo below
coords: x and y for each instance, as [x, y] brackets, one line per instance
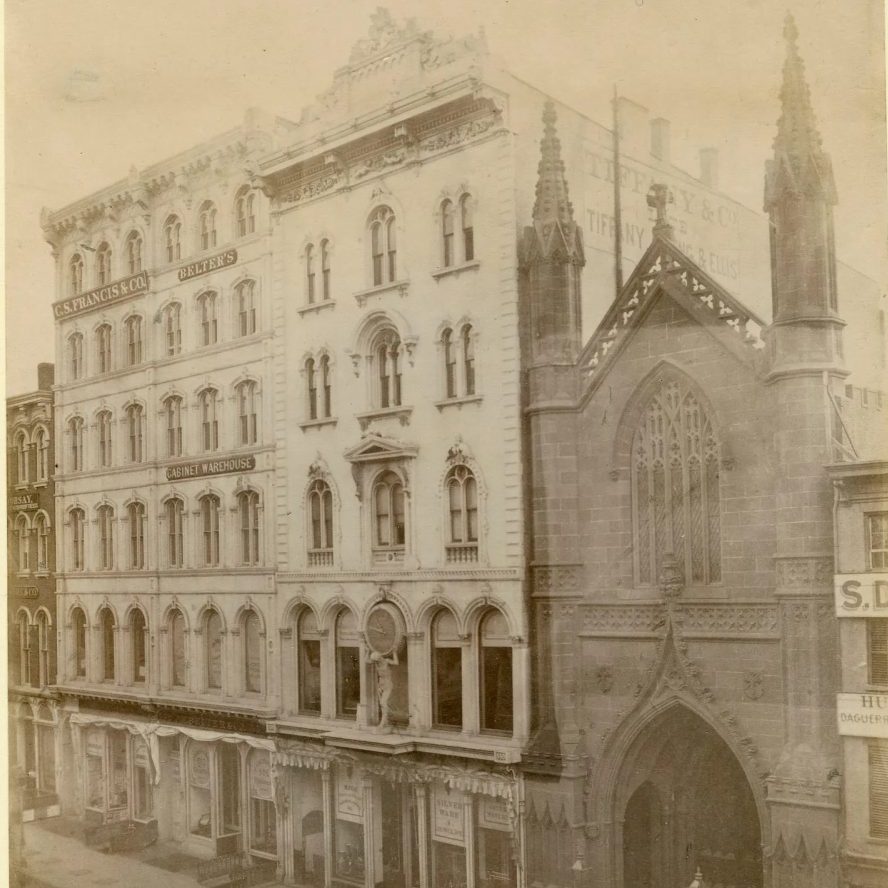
[685, 804]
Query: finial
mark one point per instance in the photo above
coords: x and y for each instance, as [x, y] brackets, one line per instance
[797, 132]
[658, 197]
[790, 31]
[552, 203]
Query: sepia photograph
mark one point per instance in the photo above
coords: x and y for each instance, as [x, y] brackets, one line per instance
[446, 444]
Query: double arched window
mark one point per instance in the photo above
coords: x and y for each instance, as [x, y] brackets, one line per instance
[78, 628]
[249, 516]
[389, 513]
[320, 516]
[103, 434]
[386, 358]
[245, 299]
[462, 500]
[383, 246]
[208, 401]
[319, 387]
[75, 355]
[103, 348]
[105, 520]
[462, 215]
[458, 353]
[172, 238]
[77, 521]
[209, 328]
[75, 443]
[172, 408]
[245, 212]
[134, 345]
[103, 265]
[172, 329]
[207, 225]
[135, 432]
[675, 482]
[247, 426]
[210, 511]
[75, 275]
[133, 251]
[136, 519]
[313, 290]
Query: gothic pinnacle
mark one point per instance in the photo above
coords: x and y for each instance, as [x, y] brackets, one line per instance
[552, 203]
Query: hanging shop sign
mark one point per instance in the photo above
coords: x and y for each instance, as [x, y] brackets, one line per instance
[863, 715]
[260, 776]
[349, 802]
[861, 595]
[95, 743]
[24, 502]
[205, 266]
[207, 467]
[118, 291]
[494, 814]
[448, 816]
[199, 775]
[141, 758]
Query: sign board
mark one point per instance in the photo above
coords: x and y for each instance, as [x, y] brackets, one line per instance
[140, 754]
[118, 291]
[207, 467]
[205, 266]
[863, 715]
[95, 742]
[861, 595]
[260, 775]
[24, 502]
[494, 814]
[28, 592]
[200, 768]
[349, 798]
[448, 816]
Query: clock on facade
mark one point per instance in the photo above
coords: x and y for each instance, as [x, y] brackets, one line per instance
[385, 629]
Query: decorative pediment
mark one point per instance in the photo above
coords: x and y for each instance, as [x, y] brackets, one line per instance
[377, 448]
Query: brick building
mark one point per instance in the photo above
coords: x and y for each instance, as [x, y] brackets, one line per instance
[685, 644]
[31, 596]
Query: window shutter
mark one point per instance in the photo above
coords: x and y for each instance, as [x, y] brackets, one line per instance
[878, 651]
[878, 781]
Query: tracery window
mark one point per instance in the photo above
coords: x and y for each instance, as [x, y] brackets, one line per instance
[209, 328]
[675, 468]
[134, 252]
[134, 340]
[207, 225]
[245, 295]
[208, 401]
[172, 238]
[75, 274]
[103, 348]
[383, 246]
[246, 412]
[320, 513]
[387, 358]
[248, 510]
[210, 509]
[103, 429]
[173, 411]
[136, 520]
[462, 499]
[175, 514]
[244, 211]
[103, 265]
[75, 355]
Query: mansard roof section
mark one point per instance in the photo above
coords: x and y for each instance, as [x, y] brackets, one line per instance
[226, 154]
[666, 269]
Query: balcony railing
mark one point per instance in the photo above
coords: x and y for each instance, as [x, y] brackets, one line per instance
[462, 553]
[320, 558]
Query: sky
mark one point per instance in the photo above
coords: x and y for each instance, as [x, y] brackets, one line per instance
[97, 86]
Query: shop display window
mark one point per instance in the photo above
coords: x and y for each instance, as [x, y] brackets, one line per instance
[229, 787]
[46, 781]
[200, 820]
[95, 782]
[349, 850]
[449, 866]
[495, 862]
[263, 820]
[143, 799]
[118, 795]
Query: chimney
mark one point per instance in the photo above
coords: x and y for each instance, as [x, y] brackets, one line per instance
[45, 376]
[709, 167]
[633, 121]
[660, 139]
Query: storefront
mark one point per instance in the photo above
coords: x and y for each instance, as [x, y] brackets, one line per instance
[34, 750]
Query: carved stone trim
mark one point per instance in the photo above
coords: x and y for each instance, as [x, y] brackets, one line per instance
[557, 579]
[804, 572]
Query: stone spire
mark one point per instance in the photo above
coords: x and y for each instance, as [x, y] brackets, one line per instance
[552, 203]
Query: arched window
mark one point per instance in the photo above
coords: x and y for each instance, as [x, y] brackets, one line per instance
[136, 519]
[320, 510]
[138, 637]
[135, 432]
[75, 275]
[468, 350]
[246, 412]
[312, 383]
[244, 211]
[173, 409]
[133, 252]
[24, 649]
[449, 363]
[462, 500]
[675, 468]
[75, 439]
[326, 292]
[309, 274]
[105, 516]
[177, 649]
[208, 400]
[107, 632]
[21, 457]
[467, 217]
[248, 510]
[172, 238]
[446, 671]
[175, 514]
[41, 526]
[172, 328]
[348, 665]
[103, 265]
[326, 405]
[103, 349]
[213, 634]
[75, 355]
[78, 628]
[78, 529]
[41, 438]
[496, 673]
[309, 640]
[448, 222]
[252, 629]
[43, 641]
[23, 533]
[387, 358]
[383, 246]
[210, 509]
[207, 225]
[389, 525]
[245, 294]
[134, 349]
[209, 329]
[103, 432]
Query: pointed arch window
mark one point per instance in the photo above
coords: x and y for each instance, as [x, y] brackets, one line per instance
[462, 499]
[208, 401]
[207, 224]
[75, 355]
[387, 358]
[23, 534]
[175, 516]
[245, 295]
[41, 527]
[172, 329]
[245, 212]
[675, 468]
[210, 510]
[103, 429]
[78, 628]
[42, 441]
[246, 412]
[448, 223]
[177, 649]
[249, 513]
[107, 631]
[138, 637]
[213, 653]
[209, 327]
[467, 219]
[252, 629]
[134, 348]
[446, 671]
[326, 292]
[78, 529]
[21, 457]
[172, 238]
[103, 265]
[383, 246]
[103, 348]
[136, 519]
[135, 432]
[105, 516]
[75, 440]
[133, 252]
[75, 275]
[173, 411]
[320, 513]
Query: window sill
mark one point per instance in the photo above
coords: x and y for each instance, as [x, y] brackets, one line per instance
[402, 414]
[458, 402]
[439, 273]
[316, 306]
[23, 574]
[363, 295]
[41, 483]
[318, 423]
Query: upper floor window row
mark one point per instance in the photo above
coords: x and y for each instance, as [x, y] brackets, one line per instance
[30, 455]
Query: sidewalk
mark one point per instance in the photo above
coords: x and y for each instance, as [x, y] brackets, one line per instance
[57, 861]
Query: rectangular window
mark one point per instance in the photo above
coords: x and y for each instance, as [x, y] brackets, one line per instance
[348, 681]
[144, 802]
[117, 772]
[447, 690]
[877, 540]
[878, 789]
[229, 779]
[310, 675]
[877, 646]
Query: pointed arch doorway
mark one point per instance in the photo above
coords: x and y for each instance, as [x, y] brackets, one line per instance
[684, 802]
